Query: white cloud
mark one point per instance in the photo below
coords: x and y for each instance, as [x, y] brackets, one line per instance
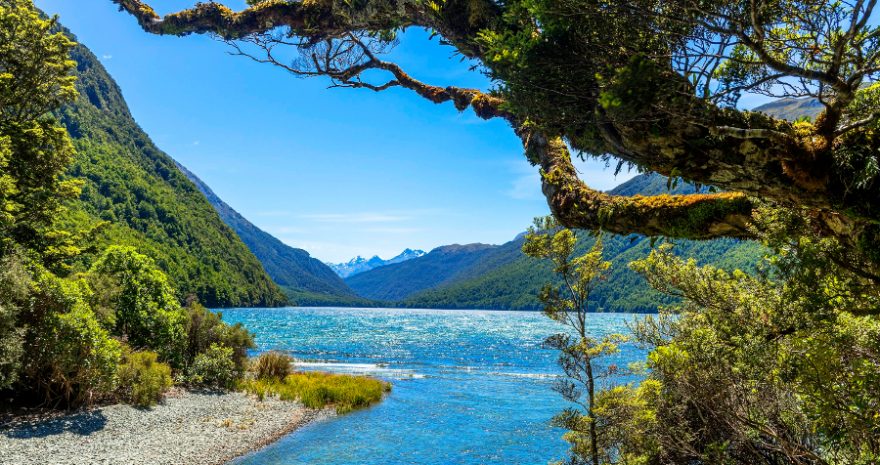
[107, 57]
[288, 230]
[273, 213]
[393, 230]
[365, 217]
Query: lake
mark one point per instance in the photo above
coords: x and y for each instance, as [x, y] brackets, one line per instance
[469, 387]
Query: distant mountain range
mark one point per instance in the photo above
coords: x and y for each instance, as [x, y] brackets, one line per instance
[360, 264]
[792, 108]
[502, 277]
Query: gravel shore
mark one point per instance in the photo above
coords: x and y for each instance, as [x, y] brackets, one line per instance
[187, 428]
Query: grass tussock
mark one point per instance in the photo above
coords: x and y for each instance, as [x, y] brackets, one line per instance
[273, 365]
[318, 390]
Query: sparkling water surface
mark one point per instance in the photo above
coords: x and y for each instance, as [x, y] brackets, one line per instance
[469, 386]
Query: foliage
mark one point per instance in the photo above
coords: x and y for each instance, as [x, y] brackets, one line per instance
[789, 361]
[143, 379]
[71, 357]
[273, 365]
[318, 390]
[599, 419]
[215, 368]
[14, 286]
[34, 150]
[63, 334]
[146, 313]
[206, 328]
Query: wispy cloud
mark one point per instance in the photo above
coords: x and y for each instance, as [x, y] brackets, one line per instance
[289, 230]
[359, 218]
[392, 230]
[107, 57]
[273, 213]
[526, 182]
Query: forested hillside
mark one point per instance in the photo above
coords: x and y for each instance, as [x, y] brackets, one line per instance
[502, 277]
[147, 203]
[306, 280]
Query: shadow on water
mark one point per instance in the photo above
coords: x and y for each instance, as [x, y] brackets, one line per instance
[83, 424]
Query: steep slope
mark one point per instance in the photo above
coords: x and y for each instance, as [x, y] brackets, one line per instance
[360, 264]
[397, 281]
[502, 277]
[148, 203]
[293, 269]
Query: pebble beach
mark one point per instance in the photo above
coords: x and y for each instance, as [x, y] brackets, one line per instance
[193, 428]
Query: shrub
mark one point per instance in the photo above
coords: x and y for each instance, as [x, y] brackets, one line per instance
[143, 379]
[214, 368]
[205, 327]
[72, 359]
[147, 313]
[318, 390]
[273, 365]
[14, 282]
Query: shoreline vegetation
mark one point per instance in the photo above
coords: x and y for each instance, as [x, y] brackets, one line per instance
[193, 427]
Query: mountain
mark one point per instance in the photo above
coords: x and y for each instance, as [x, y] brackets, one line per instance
[399, 280]
[360, 264]
[502, 277]
[305, 279]
[143, 200]
[792, 108]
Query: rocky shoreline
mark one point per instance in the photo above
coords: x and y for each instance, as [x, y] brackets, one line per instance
[197, 428]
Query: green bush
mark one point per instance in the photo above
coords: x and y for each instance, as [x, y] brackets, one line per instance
[318, 390]
[14, 282]
[143, 379]
[273, 365]
[214, 368]
[205, 327]
[72, 359]
[147, 313]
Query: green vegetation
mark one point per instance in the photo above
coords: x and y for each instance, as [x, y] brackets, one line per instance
[594, 423]
[215, 368]
[82, 319]
[319, 390]
[773, 367]
[273, 365]
[139, 198]
[143, 379]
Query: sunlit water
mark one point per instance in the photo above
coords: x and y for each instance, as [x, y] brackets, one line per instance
[469, 387]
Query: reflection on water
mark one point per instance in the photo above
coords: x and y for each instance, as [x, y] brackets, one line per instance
[469, 387]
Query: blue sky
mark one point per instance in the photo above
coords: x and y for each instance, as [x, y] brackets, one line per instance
[338, 172]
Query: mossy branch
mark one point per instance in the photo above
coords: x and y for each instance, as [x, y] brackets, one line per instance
[576, 205]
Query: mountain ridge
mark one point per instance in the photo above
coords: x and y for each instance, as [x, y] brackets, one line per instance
[360, 264]
[135, 191]
[295, 270]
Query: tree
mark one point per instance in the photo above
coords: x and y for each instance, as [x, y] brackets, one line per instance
[35, 79]
[773, 369]
[143, 309]
[649, 83]
[603, 420]
[761, 370]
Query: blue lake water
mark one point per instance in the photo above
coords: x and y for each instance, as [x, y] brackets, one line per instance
[469, 387]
